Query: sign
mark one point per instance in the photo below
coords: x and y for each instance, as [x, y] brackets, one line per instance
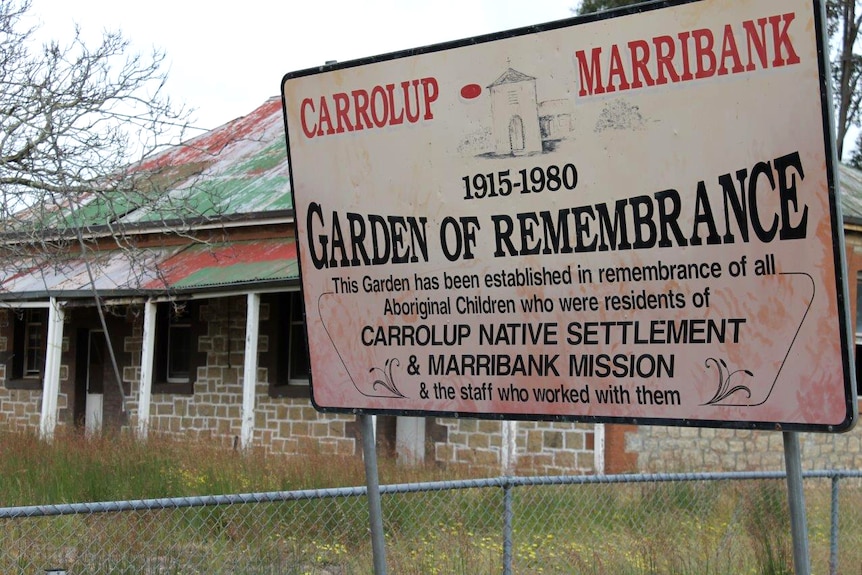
[625, 218]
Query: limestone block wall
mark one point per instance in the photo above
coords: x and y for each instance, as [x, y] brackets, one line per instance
[683, 449]
[551, 448]
[544, 448]
[294, 426]
[473, 442]
[214, 410]
[20, 409]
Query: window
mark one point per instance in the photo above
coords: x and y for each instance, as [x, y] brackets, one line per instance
[176, 357]
[286, 358]
[298, 369]
[179, 346]
[858, 359]
[29, 337]
[34, 342]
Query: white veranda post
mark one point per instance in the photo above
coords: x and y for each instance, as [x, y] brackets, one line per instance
[146, 383]
[509, 447]
[51, 387]
[599, 448]
[249, 377]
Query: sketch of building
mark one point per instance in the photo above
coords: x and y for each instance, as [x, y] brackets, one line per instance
[521, 124]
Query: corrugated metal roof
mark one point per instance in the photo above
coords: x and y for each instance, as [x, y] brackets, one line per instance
[230, 264]
[850, 190]
[238, 168]
[112, 271]
[185, 268]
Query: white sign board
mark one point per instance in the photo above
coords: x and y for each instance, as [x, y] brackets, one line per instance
[622, 219]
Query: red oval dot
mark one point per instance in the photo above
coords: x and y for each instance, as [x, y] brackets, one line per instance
[471, 91]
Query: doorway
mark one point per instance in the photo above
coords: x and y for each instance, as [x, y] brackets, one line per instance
[90, 362]
[517, 136]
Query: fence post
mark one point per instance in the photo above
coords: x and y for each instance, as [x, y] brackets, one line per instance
[507, 526]
[833, 531]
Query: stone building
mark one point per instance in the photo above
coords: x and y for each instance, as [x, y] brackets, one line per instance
[206, 330]
[206, 326]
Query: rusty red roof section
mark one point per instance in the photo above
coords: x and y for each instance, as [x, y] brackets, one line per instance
[239, 168]
[176, 269]
[214, 143]
[241, 262]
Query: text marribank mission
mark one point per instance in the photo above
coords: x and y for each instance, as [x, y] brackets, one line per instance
[760, 201]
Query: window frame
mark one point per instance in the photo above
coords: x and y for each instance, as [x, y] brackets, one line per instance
[34, 327]
[19, 374]
[179, 328]
[857, 347]
[286, 322]
[166, 321]
[296, 328]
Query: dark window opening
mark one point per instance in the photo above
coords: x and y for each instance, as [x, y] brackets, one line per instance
[179, 348]
[34, 342]
[298, 371]
[176, 358]
[26, 364]
[858, 337]
[287, 356]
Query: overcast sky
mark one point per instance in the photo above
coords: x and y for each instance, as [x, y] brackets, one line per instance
[227, 58]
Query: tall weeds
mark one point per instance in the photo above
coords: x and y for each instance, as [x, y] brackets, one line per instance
[74, 468]
[668, 528]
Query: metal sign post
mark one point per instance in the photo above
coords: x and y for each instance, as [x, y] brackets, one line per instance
[796, 500]
[375, 513]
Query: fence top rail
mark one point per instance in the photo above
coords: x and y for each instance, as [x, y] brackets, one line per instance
[505, 482]
[176, 502]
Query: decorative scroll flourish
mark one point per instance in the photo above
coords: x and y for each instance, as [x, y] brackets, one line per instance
[725, 389]
[387, 381]
[728, 395]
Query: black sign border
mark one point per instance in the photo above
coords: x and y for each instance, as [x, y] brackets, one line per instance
[839, 257]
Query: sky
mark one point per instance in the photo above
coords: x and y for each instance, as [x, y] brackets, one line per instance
[226, 58]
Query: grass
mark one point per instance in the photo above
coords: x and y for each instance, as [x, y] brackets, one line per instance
[73, 468]
[679, 528]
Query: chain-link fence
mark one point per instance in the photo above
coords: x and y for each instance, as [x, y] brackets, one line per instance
[708, 523]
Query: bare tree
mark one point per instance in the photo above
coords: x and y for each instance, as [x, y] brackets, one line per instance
[844, 21]
[590, 6]
[73, 117]
[75, 122]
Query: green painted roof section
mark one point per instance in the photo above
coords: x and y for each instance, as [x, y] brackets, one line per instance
[238, 168]
[239, 274]
[231, 264]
